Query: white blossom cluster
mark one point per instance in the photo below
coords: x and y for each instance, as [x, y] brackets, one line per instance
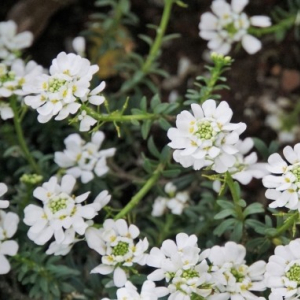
[62, 215]
[11, 42]
[8, 227]
[206, 138]
[175, 202]
[115, 243]
[216, 273]
[283, 188]
[283, 272]
[56, 95]
[229, 24]
[14, 72]
[83, 160]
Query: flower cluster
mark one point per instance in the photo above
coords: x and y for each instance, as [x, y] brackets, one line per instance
[229, 24]
[57, 94]
[176, 201]
[83, 159]
[62, 214]
[284, 186]
[12, 42]
[231, 277]
[8, 227]
[148, 292]
[206, 137]
[283, 272]
[182, 266]
[115, 242]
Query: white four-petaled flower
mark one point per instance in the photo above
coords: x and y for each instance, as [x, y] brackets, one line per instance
[229, 24]
[284, 185]
[62, 214]
[232, 278]
[283, 272]
[83, 160]
[8, 227]
[115, 242]
[206, 137]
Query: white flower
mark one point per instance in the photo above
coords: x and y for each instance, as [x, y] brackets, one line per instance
[3, 190]
[115, 242]
[180, 264]
[58, 94]
[246, 167]
[284, 186]
[283, 272]
[62, 214]
[13, 78]
[206, 137]
[5, 111]
[8, 227]
[86, 121]
[83, 160]
[12, 42]
[232, 278]
[228, 24]
[7, 248]
[176, 202]
[148, 292]
[78, 44]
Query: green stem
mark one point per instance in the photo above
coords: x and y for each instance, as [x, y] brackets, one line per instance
[287, 224]
[118, 117]
[283, 24]
[154, 50]
[142, 192]
[20, 136]
[235, 196]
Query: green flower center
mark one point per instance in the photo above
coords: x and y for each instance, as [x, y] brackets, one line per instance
[57, 204]
[121, 249]
[296, 172]
[187, 274]
[238, 275]
[6, 76]
[293, 273]
[231, 29]
[205, 131]
[55, 84]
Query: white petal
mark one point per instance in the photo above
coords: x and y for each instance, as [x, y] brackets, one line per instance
[251, 44]
[260, 21]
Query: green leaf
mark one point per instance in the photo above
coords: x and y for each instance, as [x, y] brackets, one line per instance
[152, 148]
[224, 213]
[258, 226]
[225, 225]
[261, 147]
[160, 108]
[154, 101]
[146, 128]
[253, 208]
[171, 173]
[165, 154]
[143, 104]
[237, 231]
[164, 124]
[146, 39]
[225, 204]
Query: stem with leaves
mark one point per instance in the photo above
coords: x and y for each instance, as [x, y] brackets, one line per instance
[289, 223]
[233, 187]
[154, 50]
[20, 135]
[141, 193]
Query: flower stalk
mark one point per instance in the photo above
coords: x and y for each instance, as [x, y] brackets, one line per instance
[20, 135]
[154, 50]
[142, 192]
